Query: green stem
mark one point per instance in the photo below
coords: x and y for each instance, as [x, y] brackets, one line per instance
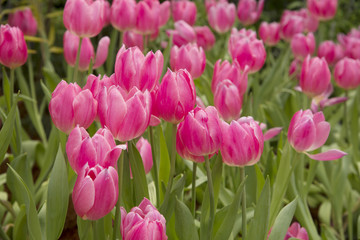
[116, 230]
[76, 68]
[112, 52]
[3, 235]
[193, 189]
[145, 37]
[12, 80]
[121, 40]
[346, 118]
[243, 203]
[154, 168]
[211, 194]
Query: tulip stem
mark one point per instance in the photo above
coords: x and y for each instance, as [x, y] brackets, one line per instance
[76, 68]
[121, 40]
[154, 168]
[346, 118]
[12, 80]
[172, 164]
[146, 38]
[211, 193]
[117, 224]
[193, 190]
[243, 203]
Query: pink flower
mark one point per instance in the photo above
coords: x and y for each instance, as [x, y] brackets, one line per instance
[296, 231]
[189, 57]
[25, 20]
[184, 10]
[147, 16]
[302, 45]
[322, 9]
[352, 48]
[243, 142]
[290, 25]
[270, 33]
[330, 51]
[164, 13]
[95, 84]
[324, 100]
[123, 14]
[70, 106]
[311, 23]
[184, 152]
[143, 222]
[347, 73]
[204, 37]
[144, 148]
[85, 18]
[182, 34]
[221, 16]
[249, 11]
[133, 39]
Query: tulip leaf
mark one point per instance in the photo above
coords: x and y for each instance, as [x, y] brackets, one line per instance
[57, 198]
[184, 222]
[6, 131]
[127, 194]
[354, 126]
[6, 89]
[164, 168]
[51, 77]
[19, 232]
[84, 229]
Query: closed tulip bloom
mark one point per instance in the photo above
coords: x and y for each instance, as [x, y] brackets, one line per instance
[311, 23]
[13, 49]
[228, 100]
[221, 16]
[315, 76]
[95, 192]
[133, 69]
[296, 231]
[144, 148]
[247, 50]
[85, 18]
[25, 20]
[182, 34]
[249, 11]
[147, 16]
[189, 57]
[347, 73]
[70, 106]
[322, 9]
[123, 14]
[107, 13]
[184, 10]
[243, 142]
[143, 222]
[290, 25]
[302, 45]
[204, 37]
[200, 131]
[164, 13]
[352, 48]
[133, 39]
[184, 152]
[330, 51]
[270, 33]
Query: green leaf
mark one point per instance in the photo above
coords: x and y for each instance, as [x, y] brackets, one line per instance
[6, 89]
[7, 131]
[31, 212]
[57, 198]
[46, 91]
[164, 168]
[184, 222]
[51, 77]
[282, 221]
[20, 228]
[84, 229]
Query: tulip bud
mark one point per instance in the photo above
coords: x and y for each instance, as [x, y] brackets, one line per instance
[290, 25]
[133, 39]
[243, 142]
[302, 45]
[347, 73]
[85, 18]
[270, 33]
[147, 16]
[315, 76]
[24, 19]
[249, 11]
[322, 9]
[144, 148]
[189, 57]
[296, 231]
[123, 14]
[143, 222]
[221, 16]
[330, 51]
[184, 10]
[204, 37]
[95, 192]
[182, 34]
[175, 97]
[13, 49]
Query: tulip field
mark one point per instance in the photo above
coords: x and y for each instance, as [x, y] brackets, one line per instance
[180, 120]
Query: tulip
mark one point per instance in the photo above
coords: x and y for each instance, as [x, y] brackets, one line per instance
[270, 33]
[13, 49]
[302, 45]
[249, 11]
[71, 43]
[123, 14]
[184, 10]
[311, 23]
[347, 73]
[204, 37]
[85, 18]
[147, 16]
[322, 9]
[324, 100]
[296, 231]
[184, 152]
[126, 115]
[175, 97]
[221, 16]
[144, 148]
[189, 57]
[164, 13]
[133, 69]
[315, 76]
[70, 106]
[143, 222]
[330, 51]
[133, 39]
[95, 84]
[247, 50]
[200, 131]
[290, 25]
[182, 34]
[25, 20]
[95, 192]
[352, 48]
[243, 142]
[107, 13]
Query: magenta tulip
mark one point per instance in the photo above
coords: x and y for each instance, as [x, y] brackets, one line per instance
[184, 152]
[322, 9]
[331, 52]
[270, 33]
[164, 13]
[95, 84]
[182, 34]
[290, 25]
[352, 48]
[25, 20]
[204, 37]
[302, 45]
[221, 16]
[249, 11]
[296, 231]
[123, 14]
[147, 16]
[144, 148]
[347, 73]
[184, 10]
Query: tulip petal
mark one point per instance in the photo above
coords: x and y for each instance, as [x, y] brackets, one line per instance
[272, 133]
[102, 51]
[332, 154]
[83, 195]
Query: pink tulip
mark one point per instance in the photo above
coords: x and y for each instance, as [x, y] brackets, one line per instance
[70, 106]
[126, 115]
[189, 57]
[95, 84]
[143, 222]
[133, 39]
[144, 148]
[107, 13]
[100, 150]
[249, 11]
[123, 14]
[324, 100]
[182, 34]
[315, 76]
[164, 13]
[352, 48]
[13, 49]
[184, 10]
[290, 25]
[296, 231]
[71, 44]
[228, 100]
[204, 37]
[311, 23]
[85, 18]
[243, 142]
[95, 192]
[200, 131]
[347, 73]
[221, 16]
[133, 69]
[25, 20]
[184, 152]
[247, 50]
[175, 97]
[331, 52]
[302, 45]
[147, 16]
[270, 33]
[322, 9]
